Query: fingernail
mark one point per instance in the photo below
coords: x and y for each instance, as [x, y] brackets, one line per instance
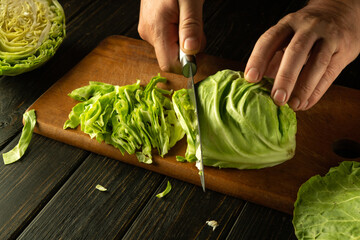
[191, 44]
[279, 96]
[294, 103]
[252, 75]
[305, 105]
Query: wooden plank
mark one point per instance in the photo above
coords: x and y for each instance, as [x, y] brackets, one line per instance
[120, 60]
[27, 185]
[80, 211]
[257, 222]
[182, 214]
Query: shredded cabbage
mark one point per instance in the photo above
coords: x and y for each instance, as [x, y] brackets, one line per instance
[130, 118]
[30, 33]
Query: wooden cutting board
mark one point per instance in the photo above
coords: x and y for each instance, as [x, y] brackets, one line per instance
[119, 60]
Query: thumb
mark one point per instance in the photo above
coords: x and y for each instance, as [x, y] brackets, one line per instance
[191, 34]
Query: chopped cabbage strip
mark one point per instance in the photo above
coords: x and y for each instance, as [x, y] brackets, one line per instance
[18, 151]
[165, 192]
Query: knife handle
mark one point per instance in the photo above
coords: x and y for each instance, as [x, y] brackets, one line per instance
[187, 61]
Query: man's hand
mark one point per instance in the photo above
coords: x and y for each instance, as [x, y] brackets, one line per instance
[166, 24]
[307, 50]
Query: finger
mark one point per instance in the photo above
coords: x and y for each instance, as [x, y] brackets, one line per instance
[311, 74]
[333, 70]
[274, 64]
[167, 54]
[294, 58]
[191, 26]
[161, 31]
[274, 39]
[167, 48]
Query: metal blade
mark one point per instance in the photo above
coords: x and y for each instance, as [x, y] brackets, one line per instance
[188, 63]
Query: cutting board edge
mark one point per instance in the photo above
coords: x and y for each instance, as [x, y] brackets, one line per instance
[243, 191]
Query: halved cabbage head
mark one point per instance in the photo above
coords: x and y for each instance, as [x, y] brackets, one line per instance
[30, 33]
[241, 127]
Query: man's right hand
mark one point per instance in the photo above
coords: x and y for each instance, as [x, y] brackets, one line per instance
[170, 24]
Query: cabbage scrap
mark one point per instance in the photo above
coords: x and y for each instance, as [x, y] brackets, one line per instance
[165, 192]
[18, 151]
[328, 207]
[101, 188]
[30, 33]
[131, 118]
[212, 223]
[241, 126]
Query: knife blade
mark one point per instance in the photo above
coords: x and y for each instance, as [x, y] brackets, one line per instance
[189, 69]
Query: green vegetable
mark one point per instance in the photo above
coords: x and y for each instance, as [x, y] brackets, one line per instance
[101, 188]
[131, 118]
[30, 33]
[18, 151]
[241, 127]
[328, 207]
[165, 192]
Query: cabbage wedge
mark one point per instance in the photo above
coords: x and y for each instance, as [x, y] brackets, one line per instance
[241, 126]
[30, 33]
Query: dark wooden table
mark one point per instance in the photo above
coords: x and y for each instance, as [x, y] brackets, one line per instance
[50, 193]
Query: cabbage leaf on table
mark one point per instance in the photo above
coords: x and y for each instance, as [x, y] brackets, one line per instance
[131, 118]
[328, 207]
[30, 33]
[18, 151]
[241, 127]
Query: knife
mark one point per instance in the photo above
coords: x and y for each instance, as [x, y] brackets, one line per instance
[189, 69]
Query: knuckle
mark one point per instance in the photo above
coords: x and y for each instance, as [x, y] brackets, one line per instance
[141, 30]
[273, 32]
[165, 67]
[269, 34]
[291, 17]
[286, 78]
[305, 88]
[316, 94]
[301, 42]
[191, 23]
[147, 31]
[323, 59]
[331, 73]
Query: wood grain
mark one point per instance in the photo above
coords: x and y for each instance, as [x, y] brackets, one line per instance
[250, 226]
[172, 218]
[120, 60]
[27, 185]
[80, 211]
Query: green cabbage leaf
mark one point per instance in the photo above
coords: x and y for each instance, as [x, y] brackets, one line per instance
[30, 33]
[18, 151]
[328, 207]
[131, 118]
[241, 127]
[166, 191]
